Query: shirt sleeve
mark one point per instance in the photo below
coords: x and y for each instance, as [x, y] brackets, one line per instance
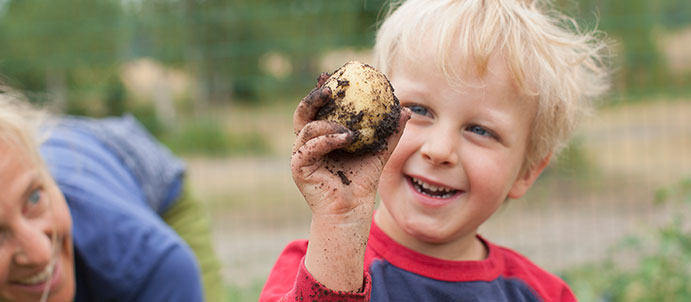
[174, 278]
[290, 281]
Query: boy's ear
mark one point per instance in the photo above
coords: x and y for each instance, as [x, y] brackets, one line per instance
[525, 181]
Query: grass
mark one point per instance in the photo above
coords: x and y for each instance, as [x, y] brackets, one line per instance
[245, 292]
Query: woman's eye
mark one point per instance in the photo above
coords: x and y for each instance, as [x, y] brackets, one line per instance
[417, 109]
[33, 202]
[35, 197]
[479, 131]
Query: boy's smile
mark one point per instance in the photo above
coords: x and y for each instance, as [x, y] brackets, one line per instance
[432, 194]
[461, 156]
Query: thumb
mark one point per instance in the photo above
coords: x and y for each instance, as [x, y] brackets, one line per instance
[393, 140]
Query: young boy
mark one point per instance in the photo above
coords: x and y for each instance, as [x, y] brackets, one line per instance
[492, 89]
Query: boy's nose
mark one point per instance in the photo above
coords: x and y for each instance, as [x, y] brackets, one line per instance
[34, 246]
[440, 149]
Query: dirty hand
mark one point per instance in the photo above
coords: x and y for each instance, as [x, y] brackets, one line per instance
[334, 183]
[340, 189]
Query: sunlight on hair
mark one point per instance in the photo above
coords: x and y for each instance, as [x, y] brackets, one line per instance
[551, 59]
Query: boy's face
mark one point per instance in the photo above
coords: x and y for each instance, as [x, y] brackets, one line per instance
[33, 211]
[460, 156]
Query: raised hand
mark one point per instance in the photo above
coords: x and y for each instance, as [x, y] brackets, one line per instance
[333, 181]
[340, 189]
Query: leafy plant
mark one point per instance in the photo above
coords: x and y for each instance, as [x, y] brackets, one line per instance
[656, 267]
[572, 160]
[245, 292]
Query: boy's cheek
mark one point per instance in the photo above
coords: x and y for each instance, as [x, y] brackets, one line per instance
[407, 144]
[395, 163]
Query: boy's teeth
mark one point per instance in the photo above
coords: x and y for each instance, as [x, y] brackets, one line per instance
[432, 190]
[430, 187]
[40, 277]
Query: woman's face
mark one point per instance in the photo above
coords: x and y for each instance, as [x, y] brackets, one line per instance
[36, 252]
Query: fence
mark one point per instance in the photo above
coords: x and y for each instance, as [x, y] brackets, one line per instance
[238, 62]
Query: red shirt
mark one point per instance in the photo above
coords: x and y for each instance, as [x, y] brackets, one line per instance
[396, 273]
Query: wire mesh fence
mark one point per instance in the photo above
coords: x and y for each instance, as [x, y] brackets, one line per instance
[601, 191]
[244, 64]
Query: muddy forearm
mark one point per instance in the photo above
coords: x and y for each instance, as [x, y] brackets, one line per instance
[336, 251]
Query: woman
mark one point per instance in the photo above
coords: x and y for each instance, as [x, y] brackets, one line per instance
[86, 214]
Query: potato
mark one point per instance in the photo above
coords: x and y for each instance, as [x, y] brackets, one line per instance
[362, 100]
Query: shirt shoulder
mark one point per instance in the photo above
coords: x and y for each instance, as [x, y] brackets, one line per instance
[283, 275]
[547, 285]
[117, 150]
[82, 163]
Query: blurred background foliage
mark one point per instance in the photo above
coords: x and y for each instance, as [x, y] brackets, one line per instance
[73, 51]
[86, 57]
[219, 79]
[651, 266]
[90, 57]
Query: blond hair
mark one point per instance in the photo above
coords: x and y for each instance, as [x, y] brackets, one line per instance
[548, 56]
[21, 128]
[20, 124]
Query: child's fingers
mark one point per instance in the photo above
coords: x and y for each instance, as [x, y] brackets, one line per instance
[322, 78]
[316, 129]
[309, 106]
[313, 150]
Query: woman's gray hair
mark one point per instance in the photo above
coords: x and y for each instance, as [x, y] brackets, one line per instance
[21, 123]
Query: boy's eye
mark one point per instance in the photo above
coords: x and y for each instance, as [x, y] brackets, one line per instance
[417, 109]
[480, 131]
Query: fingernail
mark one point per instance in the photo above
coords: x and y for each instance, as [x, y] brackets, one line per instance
[409, 113]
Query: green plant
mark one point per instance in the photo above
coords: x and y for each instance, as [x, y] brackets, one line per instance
[573, 159]
[245, 292]
[656, 267]
[207, 137]
[146, 115]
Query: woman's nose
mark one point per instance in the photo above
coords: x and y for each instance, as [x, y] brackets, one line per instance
[33, 245]
[440, 148]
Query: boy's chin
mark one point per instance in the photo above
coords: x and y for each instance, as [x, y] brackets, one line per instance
[428, 234]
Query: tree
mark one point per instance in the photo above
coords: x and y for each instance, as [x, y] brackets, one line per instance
[59, 46]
